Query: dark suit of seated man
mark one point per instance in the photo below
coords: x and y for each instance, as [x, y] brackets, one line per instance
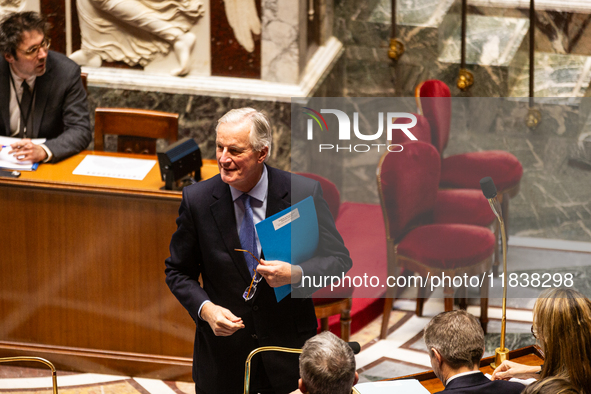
[42, 93]
[455, 341]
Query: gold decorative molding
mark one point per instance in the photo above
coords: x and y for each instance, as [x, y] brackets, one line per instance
[396, 49]
[465, 79]
[534, 117]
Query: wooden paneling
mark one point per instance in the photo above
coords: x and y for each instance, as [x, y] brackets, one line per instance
[82, 280]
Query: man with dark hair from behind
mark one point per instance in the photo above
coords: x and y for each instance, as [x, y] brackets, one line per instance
[455, 342]
[42, 93]
[327, 366]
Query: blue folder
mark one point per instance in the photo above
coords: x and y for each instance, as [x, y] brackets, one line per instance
[291, 236]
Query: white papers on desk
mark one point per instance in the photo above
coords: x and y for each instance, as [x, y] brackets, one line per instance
[9, 161]
[114, 167]
[405, 386]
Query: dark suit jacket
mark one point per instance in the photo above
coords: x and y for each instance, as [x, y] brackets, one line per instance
[204, 244]
[479, 384]
[61, 109]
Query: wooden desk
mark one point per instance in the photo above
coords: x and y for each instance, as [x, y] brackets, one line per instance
[82, 272]
[528, 355]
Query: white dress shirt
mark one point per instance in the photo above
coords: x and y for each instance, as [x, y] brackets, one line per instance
[258, 202]
[459, 375]
[15, 111]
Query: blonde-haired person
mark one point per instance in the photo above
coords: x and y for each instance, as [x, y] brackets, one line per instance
[552, 385]
[562, 326]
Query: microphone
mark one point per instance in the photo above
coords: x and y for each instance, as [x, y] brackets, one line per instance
[355, 347]
[490, 192]
[488, 187]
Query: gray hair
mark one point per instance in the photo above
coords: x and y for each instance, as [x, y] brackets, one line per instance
[457, 336]
[260, 129]
[327, 365]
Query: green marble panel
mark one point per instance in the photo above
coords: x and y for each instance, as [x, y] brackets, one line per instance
[555, 76]
[490, 41]
[428, 13]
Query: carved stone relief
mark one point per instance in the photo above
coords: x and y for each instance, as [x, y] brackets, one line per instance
[244, 20]
[138, 31]
[7, 6]
[135, 32]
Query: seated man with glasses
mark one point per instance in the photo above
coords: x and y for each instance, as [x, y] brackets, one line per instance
[455, 342]
[43, 95]
[236, 310]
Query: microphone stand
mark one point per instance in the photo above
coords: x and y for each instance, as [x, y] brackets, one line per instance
[37, 360]
[490, 192]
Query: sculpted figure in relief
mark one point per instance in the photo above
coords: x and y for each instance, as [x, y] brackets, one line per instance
[244, 21]
[135, 31]
[8, 6]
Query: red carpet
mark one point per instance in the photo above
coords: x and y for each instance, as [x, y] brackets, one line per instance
[362, 229]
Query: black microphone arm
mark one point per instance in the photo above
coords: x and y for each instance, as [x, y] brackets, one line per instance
[490, 192]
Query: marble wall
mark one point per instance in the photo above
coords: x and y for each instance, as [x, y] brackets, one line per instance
[555, 196]
[430, 32]
[559, 29]
[281, 47]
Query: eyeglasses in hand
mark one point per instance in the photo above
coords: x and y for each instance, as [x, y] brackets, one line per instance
[256, 278]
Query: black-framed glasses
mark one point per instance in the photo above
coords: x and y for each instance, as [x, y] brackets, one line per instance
[533, 332]
[34, 50]
[256, 278]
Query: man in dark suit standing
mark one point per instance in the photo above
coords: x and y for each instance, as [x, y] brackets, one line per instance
[41, 93]
[216, 217]
[455, 341]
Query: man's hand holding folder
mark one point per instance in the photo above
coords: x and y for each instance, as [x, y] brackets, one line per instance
[279, 273]
[295, 226]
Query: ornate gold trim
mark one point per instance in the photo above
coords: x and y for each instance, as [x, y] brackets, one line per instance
[533, 118]
[465, 79]
[418, 98]
[396, 49]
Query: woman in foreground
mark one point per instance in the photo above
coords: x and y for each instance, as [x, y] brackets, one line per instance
[562, 326]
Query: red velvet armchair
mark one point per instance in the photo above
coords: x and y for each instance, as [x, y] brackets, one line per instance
[408, 184]
[465, 170]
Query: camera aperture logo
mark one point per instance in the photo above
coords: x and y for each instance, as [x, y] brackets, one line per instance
[344, 133]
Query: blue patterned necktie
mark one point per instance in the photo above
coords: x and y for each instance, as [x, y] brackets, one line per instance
[248, 235]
